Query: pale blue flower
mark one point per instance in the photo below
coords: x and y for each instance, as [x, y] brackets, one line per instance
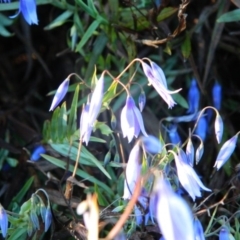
[224, 234]
[190, 151]
[157, 78]
[217, 95]
[218, 126]
[201, 129]
[173, 214]
[173, 135]
[199, 152]
[133, 171]
[48, 219]
[28, 8]
[3, 221]
[60, 94]
[141, 208]
[131, 120]
[151, 144]
[142, 101]
[187, 176]
[91, 111]
[198, 230]
[193, 97]
[226, 151]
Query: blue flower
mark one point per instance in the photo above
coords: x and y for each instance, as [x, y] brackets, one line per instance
[190, 151]
[133, 171]
[201, 129]
[3, 221]
[36, 154]
[173, 134]
[141, 208]
[131, 120]
[187, 176]
[173, 214]
[157, 78]
[29, 10]
[48, 218]
[226, 151]
[224, 234]
[218, 126]
[217, 95]
[193, 97]
[60, 94]
[142, 101]
[151, 144]
[91, 111]
[198, 230]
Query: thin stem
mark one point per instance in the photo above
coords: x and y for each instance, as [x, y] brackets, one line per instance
[77, 158]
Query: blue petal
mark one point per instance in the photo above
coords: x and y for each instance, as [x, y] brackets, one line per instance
[151, 144]
[193, 97]
[36, 154]
[29, 11]
[3, 221]
[217, 95]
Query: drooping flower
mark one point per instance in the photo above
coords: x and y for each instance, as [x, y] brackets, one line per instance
[133, 171]
[198, 230]
[28, 8]
[193, 97]
[190, 151]
[131, 120]
[173, 134]
[48, 218]
[187, 176]
[142, 101]
[91, 111]
[226, 151]
[218, 126]
[217, 95]
[201, 129]
[173, 215]
[224, 234]
[60, 94]
[151, 144]
[141, 208]
[199, 152]
[157, 78]
[3, 221]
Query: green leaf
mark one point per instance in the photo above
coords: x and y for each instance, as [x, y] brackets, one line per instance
[62, 121]
[89, 33]
[180, 100]
[103, 127]
[54, 124]
[80, 173]
[72, 121]
[111, 93]
[186, 46]
[232, 16]
[19, 233]
[18, 198]
[60, 20]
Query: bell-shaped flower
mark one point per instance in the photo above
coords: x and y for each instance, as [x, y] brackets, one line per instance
[91, 111]
[218, 126]
[142, 101]
[198, 230]
[193, 97]
[48, 218]
[201, 129]
[60, 94]
[151, 144]
[131, 120]
[141, 211]
[3, 221]
[187, 176]
[29, 10]
[224, 234]
[173, 135]
[190, 151]
[173, 214]
[133, 171]
[157, 79]
[199, 152]
[226, 151]
[217, 95]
